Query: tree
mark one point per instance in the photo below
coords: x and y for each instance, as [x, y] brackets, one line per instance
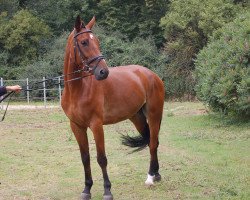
[187, 27]
[118, 50]
[153, 11]
[50, 63]
[20, 39]
[60, 15]
[138, 18]
[9, 7]
[223, 69]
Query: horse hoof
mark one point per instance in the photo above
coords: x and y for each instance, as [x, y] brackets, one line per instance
[150, 180]
[85, 196]
[157, 177]
[108, 197]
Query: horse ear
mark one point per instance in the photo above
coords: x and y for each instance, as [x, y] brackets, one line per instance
[78, 23]
[91, 23]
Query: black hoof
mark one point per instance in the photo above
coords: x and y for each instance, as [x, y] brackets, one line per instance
[157, 177]
[85, 196]
[108, 197]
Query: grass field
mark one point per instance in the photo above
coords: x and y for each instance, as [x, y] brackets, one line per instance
[201, 157]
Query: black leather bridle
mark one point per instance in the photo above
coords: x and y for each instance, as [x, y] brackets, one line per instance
[85, 61]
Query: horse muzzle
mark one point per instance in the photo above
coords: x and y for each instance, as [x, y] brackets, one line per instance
[101, 74]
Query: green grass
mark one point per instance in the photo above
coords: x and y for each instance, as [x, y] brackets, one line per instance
[201, 157]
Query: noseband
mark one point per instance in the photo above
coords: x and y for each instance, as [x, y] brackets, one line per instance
[85, 62]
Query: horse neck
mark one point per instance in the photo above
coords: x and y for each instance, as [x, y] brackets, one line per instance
[68, 68]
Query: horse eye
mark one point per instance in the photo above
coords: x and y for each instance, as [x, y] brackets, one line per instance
[85, 43]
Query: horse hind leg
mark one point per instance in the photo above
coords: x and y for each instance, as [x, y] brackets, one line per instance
[153, 173]
[146, 138]
[148, 127]
[154, 110]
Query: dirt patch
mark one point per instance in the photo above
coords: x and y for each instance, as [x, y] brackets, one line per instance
[176, 111]
[27, 107]
[182, 110]
[194, 112]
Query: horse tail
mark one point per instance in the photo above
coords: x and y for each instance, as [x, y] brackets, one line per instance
[138, 142]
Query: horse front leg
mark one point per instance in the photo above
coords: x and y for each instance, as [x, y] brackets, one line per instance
[82, 139]
[97, 129]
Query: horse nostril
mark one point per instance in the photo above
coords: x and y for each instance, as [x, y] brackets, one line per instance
[102, 74]
[102, 71]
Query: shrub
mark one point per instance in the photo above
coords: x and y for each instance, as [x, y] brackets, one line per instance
[187, 27]
[20, 40]
[223, 69]
[48, 65]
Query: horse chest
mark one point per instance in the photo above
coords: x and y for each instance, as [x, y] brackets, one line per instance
[79, 112]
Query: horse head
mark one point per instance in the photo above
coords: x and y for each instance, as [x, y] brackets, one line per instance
[86, 50]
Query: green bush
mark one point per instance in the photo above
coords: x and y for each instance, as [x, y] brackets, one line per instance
[21, 39]
[223, 69]
[48, 65]
[187, 26]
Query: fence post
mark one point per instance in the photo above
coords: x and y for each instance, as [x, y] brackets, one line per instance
[1, 82]
[44, 93]
[60, 89]
[28, 93]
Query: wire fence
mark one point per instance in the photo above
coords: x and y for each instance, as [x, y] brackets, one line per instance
[35, 90]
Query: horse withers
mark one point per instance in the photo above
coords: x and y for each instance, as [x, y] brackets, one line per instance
[95, 95]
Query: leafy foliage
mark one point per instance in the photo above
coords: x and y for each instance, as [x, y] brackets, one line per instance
[50, 64]
[9, 7]
[223, 69]
[187, 26]
[60, 15]
[132, 34]
[120, 51]
[134, 18]
[20, 38]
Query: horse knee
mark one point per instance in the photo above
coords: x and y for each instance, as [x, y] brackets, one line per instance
[85, 159]
[89, 183]
[102, 160]
[154, 143]
[107, 184]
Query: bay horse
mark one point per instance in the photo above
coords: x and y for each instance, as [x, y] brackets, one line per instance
[95, 95]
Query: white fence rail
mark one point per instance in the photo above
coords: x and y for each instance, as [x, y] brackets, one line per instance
[43, 91]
